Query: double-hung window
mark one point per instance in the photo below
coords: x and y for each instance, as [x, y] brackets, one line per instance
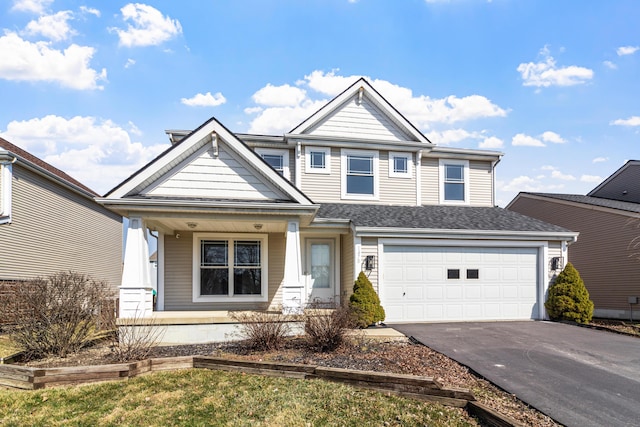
[317, 160]
[229, 267]
[277, 159]
[399, 165]
[454, 181]
[359, 174]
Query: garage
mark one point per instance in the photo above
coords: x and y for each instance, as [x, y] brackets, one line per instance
[442, 283]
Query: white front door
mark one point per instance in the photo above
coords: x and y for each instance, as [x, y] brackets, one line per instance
[320, 270]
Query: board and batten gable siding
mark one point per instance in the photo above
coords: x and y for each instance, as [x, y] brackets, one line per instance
[359, 120]
[600, 254]
[429, 181]
[481, 183]
[225, 176]
[178, 276]
[54, 229]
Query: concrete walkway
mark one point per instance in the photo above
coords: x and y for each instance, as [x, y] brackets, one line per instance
[578, 376]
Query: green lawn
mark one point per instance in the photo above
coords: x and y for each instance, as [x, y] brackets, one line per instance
[7, 348]
[199, 397]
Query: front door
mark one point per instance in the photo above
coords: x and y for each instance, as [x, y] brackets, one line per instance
[320, 270]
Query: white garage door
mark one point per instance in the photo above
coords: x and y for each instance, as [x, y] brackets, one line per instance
[458, 283]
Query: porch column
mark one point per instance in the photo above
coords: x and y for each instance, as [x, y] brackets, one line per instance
[292, 286]
[136, 293]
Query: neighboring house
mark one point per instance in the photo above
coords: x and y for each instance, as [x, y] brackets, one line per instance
[608, 220]
[263, 222]
[49, 222]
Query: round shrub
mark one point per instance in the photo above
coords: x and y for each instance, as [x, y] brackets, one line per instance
[365, 303]
[568, 298]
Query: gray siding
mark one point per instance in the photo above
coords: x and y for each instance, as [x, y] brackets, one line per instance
[600, 255]
[54, 229]
[481, 183]
[178, 276]
[625, 186]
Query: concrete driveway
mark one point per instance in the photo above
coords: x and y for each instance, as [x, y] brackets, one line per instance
[577, 376]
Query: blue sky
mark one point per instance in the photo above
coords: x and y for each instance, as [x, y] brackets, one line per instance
[90, 86]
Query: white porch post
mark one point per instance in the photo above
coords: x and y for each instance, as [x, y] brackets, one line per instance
[136, 293]
[293, 287]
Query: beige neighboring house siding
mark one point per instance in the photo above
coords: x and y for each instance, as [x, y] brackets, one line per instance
[600, 254]
[54, 229]
[347, 275]
[481, 183]
[429, 182]
[178, 276]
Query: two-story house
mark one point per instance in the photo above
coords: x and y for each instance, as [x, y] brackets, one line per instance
[263, 222]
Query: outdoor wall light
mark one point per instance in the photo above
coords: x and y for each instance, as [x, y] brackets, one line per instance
[369, 262]
[192, 224]
[557, 263]
[257, 226]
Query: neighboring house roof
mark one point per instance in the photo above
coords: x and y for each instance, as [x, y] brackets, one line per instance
[591, 201]
[40, 164]
[623, 184]
[436, 217]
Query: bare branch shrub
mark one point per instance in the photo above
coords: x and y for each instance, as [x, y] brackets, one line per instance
[135, 338]
[262, 330]
[56, 315]
[326, 330]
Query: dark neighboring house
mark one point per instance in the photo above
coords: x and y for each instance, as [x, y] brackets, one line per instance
[608, 221]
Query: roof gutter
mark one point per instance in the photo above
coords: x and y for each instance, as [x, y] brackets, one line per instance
[422, 233]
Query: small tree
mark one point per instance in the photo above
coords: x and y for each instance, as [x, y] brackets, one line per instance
[326, 330]
[365, 303]
[568, 298]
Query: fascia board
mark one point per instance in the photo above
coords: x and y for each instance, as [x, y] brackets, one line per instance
[360, 143]
[441, 152]
[606, 209]
[464, 234]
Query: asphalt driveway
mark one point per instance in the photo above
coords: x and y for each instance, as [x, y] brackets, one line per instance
[577, 376]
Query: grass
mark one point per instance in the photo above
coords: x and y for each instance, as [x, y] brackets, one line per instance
[202, 397]
[7, 347]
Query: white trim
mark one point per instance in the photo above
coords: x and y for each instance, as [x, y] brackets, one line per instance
[278, 152]
[264, 274]
[408, 157]
[344, 153]
[6, 170]
[160, 276]
[327, 159]
[357, 255]
[543, 279]
[442, 163]
[298, 161]
[418, 178]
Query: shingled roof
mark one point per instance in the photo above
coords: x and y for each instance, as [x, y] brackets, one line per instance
[592, 201]
[30, 158]
[435, 217]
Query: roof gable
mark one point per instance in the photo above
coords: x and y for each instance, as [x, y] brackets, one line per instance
[211, 162]
[360, 112]
[622, 185]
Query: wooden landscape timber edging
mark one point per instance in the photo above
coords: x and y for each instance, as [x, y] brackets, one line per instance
[412, 386]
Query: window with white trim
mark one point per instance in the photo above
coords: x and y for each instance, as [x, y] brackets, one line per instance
[359, 178]
[317, 159]
[229, 267]
[454, 181]
[399, 165]
[277, 159]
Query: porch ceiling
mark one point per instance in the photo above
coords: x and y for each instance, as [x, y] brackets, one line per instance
[236, 225]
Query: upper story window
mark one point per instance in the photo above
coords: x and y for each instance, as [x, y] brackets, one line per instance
[454, 181]
[400, 165]
[228, 267]
[318, 160]
[5, 193]
[359, 174]
[277, 159]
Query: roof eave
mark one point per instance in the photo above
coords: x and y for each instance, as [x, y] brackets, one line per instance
[569, 236]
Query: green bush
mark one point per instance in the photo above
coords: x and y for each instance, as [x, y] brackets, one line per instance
[568, 298]
[365, 303]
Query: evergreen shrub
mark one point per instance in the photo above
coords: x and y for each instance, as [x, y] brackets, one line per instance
[568, 297]
[365, 303]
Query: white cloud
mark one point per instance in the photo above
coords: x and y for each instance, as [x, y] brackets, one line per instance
[522, 140]
[147, 26]
[547, 168]
[276, 120]
[559, 175]
[526, 183]
[33, 6]
[130, 63]
[591, 178]
[204, 100]
[610, 65]
[54, 27]
[279, 96]
[491, 142]
[420, 110]
[627, 50]
[545, 73]
[631, 121]
[96, 152]
[90, 10]
[549, 136]
[39, 62]
[600, 159]
[450, 136]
